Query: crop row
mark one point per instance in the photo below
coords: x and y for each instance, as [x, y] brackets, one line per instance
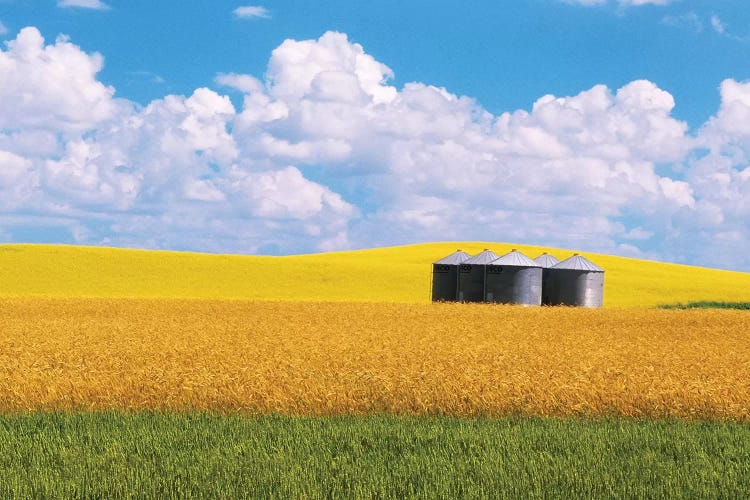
[336, 358]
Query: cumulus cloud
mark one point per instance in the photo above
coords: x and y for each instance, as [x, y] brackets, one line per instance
[325, 153]
[441, 165]
[83, 4]
[729, 130]
[167, 175]
[52, 87]
[328, 69]
[244, 83]
[577, 171]
[252, 12]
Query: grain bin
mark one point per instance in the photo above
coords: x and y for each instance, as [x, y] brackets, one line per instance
[514, 279]
[471, 274]
[445, 276]
[546, 261]
[577, 282]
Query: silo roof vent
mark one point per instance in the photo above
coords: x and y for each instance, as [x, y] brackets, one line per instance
[457, 257]
[578, 263]
[515, 258]
[482, 258]
[546, 260]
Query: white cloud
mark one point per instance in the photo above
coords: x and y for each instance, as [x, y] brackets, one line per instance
[268, 195]
[167, 175]
[244, 83]
[325, 154]
[3, 29]
[717, 25]
[441, 167]
[52, 87]
[329, 68]
[251, 12]
[83, 4]
[731, 125]
[12, 168]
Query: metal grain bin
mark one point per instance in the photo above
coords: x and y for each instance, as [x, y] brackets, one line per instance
[471, 274]
[577, 282]
[514, 279]
[445, 276]
[546, 261]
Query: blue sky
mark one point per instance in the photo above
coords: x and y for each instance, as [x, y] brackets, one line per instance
[504, 54]
[311, 126]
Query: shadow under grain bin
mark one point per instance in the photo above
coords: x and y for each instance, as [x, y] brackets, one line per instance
[514, 279]
[576, 281]
[445, 277]
[471, 276]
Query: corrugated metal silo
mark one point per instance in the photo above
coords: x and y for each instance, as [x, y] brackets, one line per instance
[445, 276]
[577, 282]
[471, 274]
[546, 261]
[514, 279]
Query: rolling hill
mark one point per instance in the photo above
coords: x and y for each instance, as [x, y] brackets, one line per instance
[395, 274]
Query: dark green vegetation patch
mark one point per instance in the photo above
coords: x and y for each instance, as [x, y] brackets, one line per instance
[706, 304]
[155, 455]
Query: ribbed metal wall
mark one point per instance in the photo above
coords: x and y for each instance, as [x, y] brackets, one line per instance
[471, 282]
[471, 276]
[516, 279]
[572, 287]
[546, 261]
[514, 285]
[444, 283]
[445, 277]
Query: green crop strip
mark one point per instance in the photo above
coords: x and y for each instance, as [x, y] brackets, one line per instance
[708, 305]
[153, 455]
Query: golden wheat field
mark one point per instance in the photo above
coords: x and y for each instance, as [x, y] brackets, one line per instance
[397, 274]
[331, 358]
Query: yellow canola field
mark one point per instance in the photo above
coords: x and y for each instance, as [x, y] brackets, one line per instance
[332, 358]
[397, 274]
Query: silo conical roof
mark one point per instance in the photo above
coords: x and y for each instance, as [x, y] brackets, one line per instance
[484, 257]
[457, 257]
[546, 260]
[515, 258]
[578, 263]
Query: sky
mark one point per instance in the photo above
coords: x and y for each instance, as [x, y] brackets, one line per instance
[284, 127]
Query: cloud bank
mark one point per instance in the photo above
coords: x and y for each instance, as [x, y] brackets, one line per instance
[325, 154]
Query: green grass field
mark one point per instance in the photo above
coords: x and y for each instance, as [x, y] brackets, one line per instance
[151, 455]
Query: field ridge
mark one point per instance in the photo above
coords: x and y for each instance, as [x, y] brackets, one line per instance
[393, 274]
